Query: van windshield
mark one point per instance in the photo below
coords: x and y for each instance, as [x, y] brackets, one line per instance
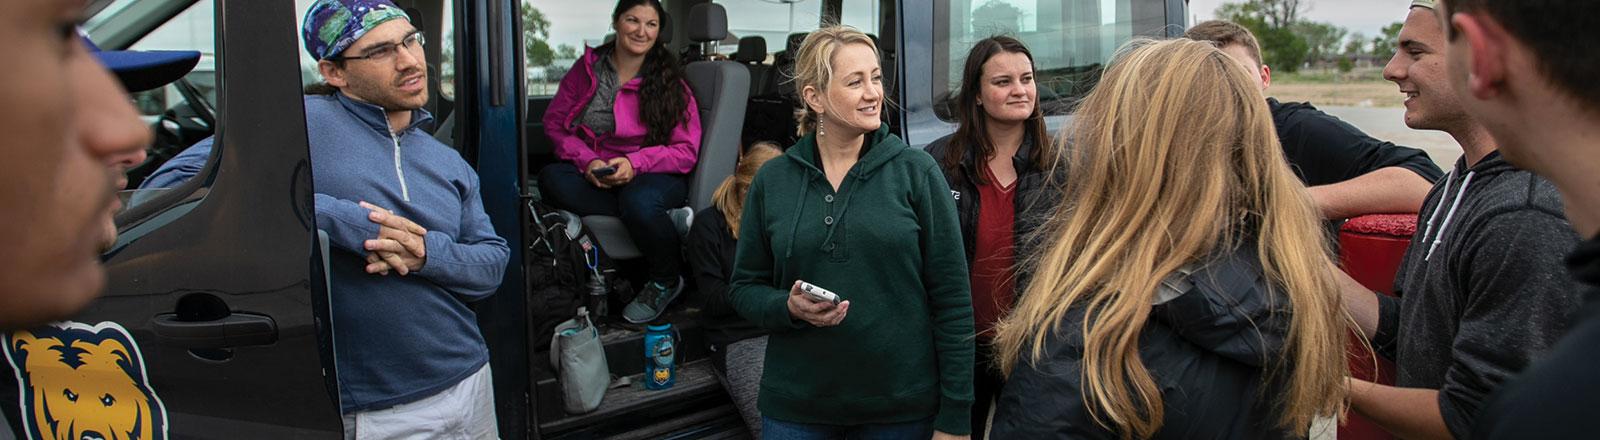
[1071, 40]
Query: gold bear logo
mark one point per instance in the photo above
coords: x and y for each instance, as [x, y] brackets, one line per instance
[81, 382]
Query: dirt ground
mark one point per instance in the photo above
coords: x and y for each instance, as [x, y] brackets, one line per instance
[1346, 94]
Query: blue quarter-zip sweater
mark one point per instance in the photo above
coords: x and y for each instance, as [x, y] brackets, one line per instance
[397, 338]
[400, 338]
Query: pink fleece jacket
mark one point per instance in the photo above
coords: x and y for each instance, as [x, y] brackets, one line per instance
[577, 144]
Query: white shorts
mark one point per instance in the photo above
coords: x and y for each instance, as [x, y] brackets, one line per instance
[464, 411]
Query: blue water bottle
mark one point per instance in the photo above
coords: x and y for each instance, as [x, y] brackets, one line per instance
[660, 357]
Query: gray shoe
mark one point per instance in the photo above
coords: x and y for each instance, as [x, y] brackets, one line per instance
[682, 218]
[651, 302]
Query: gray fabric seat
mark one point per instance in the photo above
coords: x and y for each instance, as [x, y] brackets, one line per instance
[721, 89]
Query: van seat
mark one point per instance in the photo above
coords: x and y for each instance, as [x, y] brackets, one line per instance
[753, 54]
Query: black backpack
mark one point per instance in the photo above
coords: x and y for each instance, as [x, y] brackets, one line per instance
[561, 257]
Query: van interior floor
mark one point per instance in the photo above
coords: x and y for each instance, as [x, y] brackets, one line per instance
[695, 407]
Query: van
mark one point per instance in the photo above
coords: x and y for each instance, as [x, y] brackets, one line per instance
[217, 308]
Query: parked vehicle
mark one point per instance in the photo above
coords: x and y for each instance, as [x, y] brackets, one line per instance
[218, 293]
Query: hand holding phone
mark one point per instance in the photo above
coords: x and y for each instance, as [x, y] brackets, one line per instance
[818, 293]
[816, 305]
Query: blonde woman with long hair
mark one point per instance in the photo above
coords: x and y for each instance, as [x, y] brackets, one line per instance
[737, 345]
[1182, 290]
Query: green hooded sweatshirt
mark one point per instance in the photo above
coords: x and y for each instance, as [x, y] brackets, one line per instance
[889, 242]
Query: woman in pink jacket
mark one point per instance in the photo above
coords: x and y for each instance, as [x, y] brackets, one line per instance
[623, 155]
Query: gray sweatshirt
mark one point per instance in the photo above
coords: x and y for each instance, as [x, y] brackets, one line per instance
[1482, 289]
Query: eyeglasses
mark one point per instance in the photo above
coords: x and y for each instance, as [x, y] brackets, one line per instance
[387, 51]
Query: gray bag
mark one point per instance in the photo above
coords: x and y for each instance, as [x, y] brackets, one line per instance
[580, 363]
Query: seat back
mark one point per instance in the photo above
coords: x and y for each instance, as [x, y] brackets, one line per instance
[753, 55]
[721, 88]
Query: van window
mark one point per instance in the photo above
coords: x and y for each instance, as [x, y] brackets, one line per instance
[1071, 40]
[181, 113]
[773, 21]
[554, 35]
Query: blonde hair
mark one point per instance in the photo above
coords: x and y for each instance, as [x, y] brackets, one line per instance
[729, 196]
[1177, 150]
[813, 66]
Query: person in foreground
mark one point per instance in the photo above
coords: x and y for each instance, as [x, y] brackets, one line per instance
[737, 345]
[1527, 71]
[997, 164]
[1486, 258]
[57, 179]
[1207, 311]
[852, 209]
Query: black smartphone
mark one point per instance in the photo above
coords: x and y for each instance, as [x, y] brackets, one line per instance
[603, 171]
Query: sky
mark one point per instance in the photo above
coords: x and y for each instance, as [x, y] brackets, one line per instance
[1365, 16]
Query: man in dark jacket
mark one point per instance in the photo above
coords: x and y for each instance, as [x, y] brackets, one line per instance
[1526, 70]
[1481, 289]
[1348, 172]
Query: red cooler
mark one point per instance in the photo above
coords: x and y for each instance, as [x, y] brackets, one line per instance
[1370, 249]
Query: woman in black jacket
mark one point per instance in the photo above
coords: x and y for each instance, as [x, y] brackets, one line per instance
[737, 345]
[1182, 289]
[996, 163]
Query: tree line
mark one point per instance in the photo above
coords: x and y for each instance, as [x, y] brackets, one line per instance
[1289, 41]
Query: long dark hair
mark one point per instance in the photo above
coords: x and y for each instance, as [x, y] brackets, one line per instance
[973, 132]
[664, 104]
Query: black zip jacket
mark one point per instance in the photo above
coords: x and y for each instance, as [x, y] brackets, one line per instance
[1482, 289]
[1557, 397]
[1207, 349]
[1034, 200]
[709, 250]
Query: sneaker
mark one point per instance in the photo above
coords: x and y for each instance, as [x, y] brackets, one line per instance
[651, 302]
[682, 218]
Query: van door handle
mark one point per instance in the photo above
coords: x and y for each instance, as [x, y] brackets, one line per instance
[234, 330]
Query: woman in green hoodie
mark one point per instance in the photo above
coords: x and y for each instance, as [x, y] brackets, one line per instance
[853, 209]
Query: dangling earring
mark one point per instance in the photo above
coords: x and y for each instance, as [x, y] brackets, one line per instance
[821, 131]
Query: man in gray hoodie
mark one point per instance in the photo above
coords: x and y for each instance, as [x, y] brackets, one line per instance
[1482, 289]
[1527, 69]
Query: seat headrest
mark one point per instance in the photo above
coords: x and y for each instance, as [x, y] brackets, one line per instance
[752, 49]
[708, 22]
[793, 45]
[665, 33]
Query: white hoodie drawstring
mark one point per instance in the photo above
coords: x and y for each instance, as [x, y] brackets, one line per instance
[1439, 238]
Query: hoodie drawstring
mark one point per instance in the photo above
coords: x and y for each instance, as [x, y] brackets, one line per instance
[799, 210]
[1451, 214]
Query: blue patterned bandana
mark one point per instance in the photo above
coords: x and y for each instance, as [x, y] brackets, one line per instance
[331, 26]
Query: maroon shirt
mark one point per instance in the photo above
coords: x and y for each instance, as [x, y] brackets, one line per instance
[992, 275]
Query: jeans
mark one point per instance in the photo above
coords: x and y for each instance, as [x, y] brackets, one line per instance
[774, 429]
[986, 384]
[642, 205]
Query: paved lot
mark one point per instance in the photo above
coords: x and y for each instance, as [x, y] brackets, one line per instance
[1388, 123]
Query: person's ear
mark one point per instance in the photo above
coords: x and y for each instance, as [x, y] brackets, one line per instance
[1266, 76]
[813, 98]
[332, 74]
[1487, 44]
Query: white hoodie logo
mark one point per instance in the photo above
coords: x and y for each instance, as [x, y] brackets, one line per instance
[956, 194]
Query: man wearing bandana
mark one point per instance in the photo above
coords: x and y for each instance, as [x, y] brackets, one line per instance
[411, 244]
